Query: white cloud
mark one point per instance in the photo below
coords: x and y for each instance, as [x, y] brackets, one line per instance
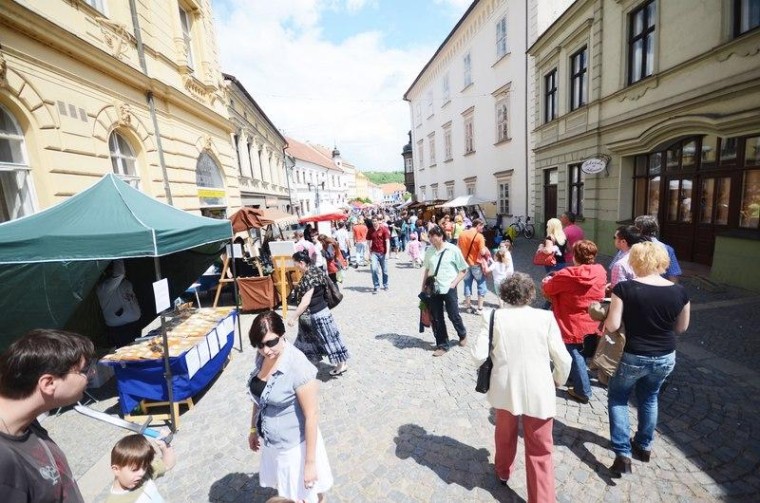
[347, 94]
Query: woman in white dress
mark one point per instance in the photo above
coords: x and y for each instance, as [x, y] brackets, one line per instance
[285, 415]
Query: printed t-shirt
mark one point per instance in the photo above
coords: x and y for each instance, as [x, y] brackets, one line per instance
[27, 472]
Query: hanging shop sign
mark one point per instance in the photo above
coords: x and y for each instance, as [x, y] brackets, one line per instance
[594, 165]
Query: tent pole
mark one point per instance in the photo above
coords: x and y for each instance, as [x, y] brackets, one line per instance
[235, 287]
[167, 367]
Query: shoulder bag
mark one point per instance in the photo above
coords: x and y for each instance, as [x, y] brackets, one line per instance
[609, 348]
[431, 288]
[484, 372]
[545, 259]
[333, 297]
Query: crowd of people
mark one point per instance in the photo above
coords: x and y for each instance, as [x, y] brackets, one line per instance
[534, 352]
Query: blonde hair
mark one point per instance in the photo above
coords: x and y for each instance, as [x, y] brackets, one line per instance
[648, 258]
[458, 219]
[501, 256]
[554, 231]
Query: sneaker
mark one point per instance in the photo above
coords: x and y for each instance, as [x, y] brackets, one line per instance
[463, 342]
[385, 288]
[439, 352]
[374, 291]
[577, 396]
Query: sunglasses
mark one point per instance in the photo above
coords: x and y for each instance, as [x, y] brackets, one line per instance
[270, 343]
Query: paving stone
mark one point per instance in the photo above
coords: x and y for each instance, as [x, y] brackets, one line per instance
[403, 426]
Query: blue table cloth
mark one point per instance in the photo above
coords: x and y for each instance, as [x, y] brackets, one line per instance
[144, 379]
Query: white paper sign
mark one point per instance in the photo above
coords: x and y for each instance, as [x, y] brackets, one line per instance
[282, 248]
[193, 362]
[203, 353]
[324, 228]
[221, 337]
[161, 294]
[237, 250]
[213, 343]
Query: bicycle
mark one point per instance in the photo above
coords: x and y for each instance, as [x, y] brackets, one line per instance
[518, 227]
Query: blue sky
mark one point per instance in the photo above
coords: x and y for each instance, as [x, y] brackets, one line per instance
[334, 71]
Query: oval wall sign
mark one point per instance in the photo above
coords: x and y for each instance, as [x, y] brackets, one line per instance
[593, 166]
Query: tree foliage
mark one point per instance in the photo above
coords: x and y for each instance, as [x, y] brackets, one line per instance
[381, 177]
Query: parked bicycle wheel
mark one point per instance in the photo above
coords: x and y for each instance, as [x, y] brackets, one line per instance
[529, 231]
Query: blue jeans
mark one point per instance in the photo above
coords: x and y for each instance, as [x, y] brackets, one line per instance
[474, 273]
[361, 252]
[377, 261]
[645, 375]
[578, 370]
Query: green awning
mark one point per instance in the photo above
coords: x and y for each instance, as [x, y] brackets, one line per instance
[51, 261]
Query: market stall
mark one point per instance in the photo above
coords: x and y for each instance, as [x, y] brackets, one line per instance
[259, 292]
[199, 343]
[52, 261]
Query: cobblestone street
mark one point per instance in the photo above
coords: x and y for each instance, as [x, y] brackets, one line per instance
[403, 426]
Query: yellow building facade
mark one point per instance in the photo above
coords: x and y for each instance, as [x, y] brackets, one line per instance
[78, 82]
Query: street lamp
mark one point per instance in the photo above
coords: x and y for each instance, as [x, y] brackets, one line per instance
[316, 187]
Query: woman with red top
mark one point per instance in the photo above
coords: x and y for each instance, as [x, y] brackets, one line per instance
[333, 257]
[570, 291]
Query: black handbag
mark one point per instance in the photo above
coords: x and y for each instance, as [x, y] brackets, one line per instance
[430, 287]
[333, 297]
[484, 372]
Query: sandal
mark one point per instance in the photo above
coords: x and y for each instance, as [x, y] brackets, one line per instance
[338, 371]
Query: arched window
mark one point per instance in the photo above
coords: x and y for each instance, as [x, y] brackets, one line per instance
[123, 159]
[16, 191]
[210, 184]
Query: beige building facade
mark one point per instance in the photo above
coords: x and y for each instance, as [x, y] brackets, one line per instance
[653, 107]
[260, 151]
[76, 84]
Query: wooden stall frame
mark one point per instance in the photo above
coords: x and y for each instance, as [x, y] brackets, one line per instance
[281, 271]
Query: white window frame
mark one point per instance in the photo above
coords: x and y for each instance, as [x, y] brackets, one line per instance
[434, 191]
[447, 149]
[186, 22]
[418, 113]
[124, 164]
[470, 188]
[20, 200]
[469, 134]
[503, 188]
[446, 92]
[431, 148]
[449, 191]
[501, 38]
[429, 98]
[98, 5]
[421, 154]
[422, 193]
[502, 119]
[467, 64]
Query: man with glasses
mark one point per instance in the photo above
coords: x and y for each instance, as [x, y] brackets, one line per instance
[444, 261]
[43, 370]
[380, 245]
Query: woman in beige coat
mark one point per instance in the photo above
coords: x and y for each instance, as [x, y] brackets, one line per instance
[525, 340]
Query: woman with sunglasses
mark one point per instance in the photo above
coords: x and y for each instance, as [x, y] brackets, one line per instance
[310, 295]
[285, 415]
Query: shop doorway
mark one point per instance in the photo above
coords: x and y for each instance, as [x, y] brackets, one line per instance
[697, 187]
[551, 177]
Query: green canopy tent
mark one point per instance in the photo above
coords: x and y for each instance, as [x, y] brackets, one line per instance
[51, 261]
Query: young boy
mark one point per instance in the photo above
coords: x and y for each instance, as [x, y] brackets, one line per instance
[134, 469]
